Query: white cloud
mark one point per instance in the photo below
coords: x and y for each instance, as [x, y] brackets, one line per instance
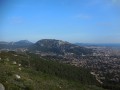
[106, 24]
[83, 16]
[116, 1]
[16, 20]
[107, 3]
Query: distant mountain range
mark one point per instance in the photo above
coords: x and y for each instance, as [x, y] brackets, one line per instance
[13, 45]
[54, 46]
[58, 47]
[99, 45]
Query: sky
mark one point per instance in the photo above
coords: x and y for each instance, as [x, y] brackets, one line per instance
[84, 21]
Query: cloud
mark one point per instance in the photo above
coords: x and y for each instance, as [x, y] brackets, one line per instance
[83, 16]
[104, 24]
[106, 3]
[17, 20]
[116, 1]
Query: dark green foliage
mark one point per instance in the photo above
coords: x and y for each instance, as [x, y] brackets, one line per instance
[62, 70]
[41, 74]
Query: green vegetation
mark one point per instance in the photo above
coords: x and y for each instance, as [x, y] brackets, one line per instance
[35, 73]
[62, 70]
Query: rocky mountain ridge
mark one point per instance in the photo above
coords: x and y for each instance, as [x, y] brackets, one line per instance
[59, 47]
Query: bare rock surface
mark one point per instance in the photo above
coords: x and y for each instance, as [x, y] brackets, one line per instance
[2, 86]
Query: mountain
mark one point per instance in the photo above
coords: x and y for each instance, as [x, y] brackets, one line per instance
[2, 42]
[99, 44]
[13, 45]
[59, 47]
[23, 43]
[85, 44]
[49, 46]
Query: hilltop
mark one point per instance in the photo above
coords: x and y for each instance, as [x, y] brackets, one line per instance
[59, 47]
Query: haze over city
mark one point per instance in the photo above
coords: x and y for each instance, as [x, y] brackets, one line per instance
[87, 21]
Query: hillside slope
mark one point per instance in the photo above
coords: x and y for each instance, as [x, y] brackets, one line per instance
[29, 72]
